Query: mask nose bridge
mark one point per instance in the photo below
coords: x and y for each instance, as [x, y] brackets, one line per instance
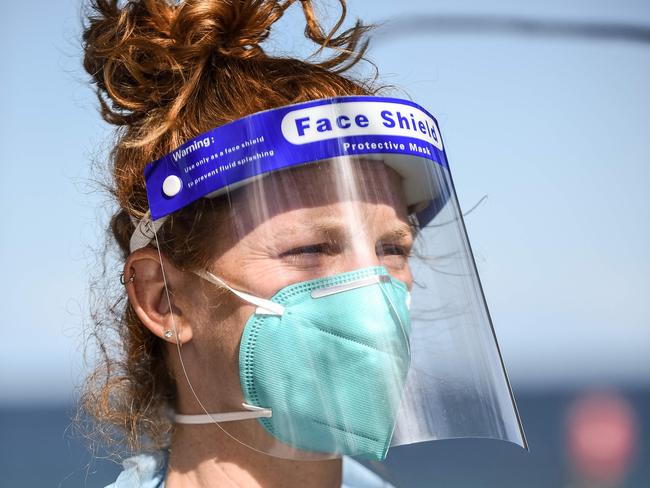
[350, 285]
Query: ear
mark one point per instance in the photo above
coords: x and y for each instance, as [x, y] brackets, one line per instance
[145, 287]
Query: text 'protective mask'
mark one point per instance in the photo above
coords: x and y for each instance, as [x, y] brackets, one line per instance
[349, 206]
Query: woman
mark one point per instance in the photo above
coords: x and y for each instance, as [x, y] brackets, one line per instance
[266, 252]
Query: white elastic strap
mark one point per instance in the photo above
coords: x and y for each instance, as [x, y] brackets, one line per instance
[264, 307]
[145, 231]
[252, 412]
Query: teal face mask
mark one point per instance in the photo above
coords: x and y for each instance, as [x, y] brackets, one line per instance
[332, 366]
[323, 363]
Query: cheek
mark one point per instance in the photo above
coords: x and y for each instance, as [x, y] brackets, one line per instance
[215, 315]
[398, 266]
[265, 277]
[252, 268]
[404, 275]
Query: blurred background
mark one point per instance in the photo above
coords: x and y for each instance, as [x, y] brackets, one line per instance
[544, 107]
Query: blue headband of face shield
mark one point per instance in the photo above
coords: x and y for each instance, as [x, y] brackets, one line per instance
[399, 133]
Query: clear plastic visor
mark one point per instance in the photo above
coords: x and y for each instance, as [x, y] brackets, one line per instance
[313, 317]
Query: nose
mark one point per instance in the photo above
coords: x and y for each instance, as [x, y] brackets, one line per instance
[361, 249]
[360, 256]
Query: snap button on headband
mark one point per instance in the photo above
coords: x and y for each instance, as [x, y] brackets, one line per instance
[172, 185]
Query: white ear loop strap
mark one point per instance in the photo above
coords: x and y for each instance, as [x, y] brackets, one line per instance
[264, 307]
[210, 418]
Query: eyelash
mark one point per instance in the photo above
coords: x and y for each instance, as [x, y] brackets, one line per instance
[321, 248]
[399, 250]
[329, 249]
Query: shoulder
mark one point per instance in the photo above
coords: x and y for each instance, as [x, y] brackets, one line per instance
[142, 471]
[356, 475]
[148, 471]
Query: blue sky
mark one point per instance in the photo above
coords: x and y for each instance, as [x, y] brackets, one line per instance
[553, 131]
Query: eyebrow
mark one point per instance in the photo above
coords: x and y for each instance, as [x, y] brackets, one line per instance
[328, 227]
[334, 230]
[401, 232]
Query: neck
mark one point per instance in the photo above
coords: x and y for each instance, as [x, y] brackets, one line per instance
[205, 456]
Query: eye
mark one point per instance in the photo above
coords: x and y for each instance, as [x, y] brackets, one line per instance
[322, 248]
[385, 249]
[393, 256]
[311, 255]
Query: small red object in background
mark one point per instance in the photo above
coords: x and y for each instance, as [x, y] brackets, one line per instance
[602, 437]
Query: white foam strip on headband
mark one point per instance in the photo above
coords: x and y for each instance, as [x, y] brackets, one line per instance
[145, 231]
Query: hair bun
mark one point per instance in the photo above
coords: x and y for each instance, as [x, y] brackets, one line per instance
[146, 55]
[127, 52]
[142, 53]
[150, 58]
[225, 27]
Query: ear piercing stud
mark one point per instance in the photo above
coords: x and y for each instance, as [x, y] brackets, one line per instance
[168, 334]
[130, 280]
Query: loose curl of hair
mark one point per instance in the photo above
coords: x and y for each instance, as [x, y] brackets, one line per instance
[166, 71]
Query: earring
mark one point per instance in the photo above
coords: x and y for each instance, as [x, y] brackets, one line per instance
[130, 280]
[168, 334]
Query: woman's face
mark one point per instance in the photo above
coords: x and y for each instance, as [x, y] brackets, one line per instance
[291, 226]
[314, 221]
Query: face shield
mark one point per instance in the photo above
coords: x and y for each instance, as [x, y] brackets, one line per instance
[337, 309]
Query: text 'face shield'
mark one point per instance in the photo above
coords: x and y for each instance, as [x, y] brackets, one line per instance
[338, 310]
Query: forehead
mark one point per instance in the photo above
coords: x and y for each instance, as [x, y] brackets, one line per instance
[344, 196]
[322, 184]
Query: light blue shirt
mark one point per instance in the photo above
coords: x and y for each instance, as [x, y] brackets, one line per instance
[148, 471]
